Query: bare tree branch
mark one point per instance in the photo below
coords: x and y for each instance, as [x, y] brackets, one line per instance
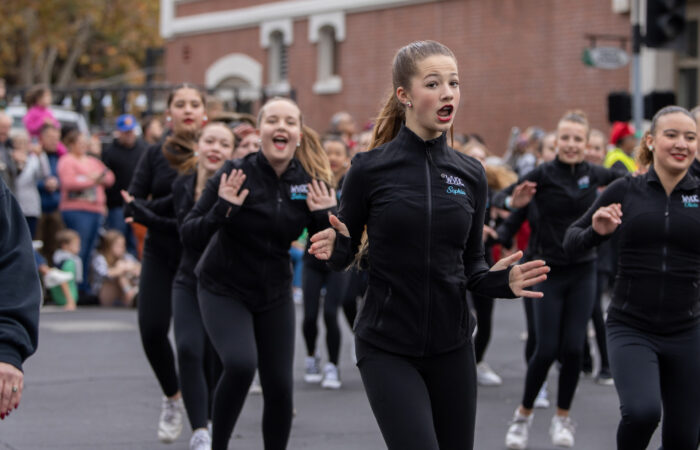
[82, 37]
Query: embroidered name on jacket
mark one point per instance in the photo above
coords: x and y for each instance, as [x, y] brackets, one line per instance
[299, 191]
[452, 180]
[690, 201]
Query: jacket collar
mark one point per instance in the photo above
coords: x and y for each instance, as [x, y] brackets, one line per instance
[260, 159]
[575, 167]
[687, 183]
[406, 137]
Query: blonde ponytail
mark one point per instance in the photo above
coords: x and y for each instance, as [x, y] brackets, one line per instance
[644, 156]
[313, 158]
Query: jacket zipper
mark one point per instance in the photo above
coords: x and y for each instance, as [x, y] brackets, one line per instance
[428, 238]
[664, 254]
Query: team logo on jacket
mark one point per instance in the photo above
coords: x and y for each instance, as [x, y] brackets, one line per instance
[452, 180]
[299, 191]
[690, 201]
[584, 182]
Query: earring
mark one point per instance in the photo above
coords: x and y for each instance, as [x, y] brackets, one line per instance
[298, 144]
[409, 104]
[259, 140]
[206, 118]
[651, 148]
[196, 154]
[168, 119]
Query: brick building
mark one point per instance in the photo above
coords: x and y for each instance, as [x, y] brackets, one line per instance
[520, 61]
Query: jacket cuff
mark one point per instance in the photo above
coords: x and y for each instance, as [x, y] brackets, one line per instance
[10, 355]
[223, 211]
[342, 252]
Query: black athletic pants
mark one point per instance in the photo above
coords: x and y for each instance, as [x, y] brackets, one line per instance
[155, 312]
[652, 371]
[197, 360]
[336, 284]
[531, 332]
[483, 307]
[421, 403]
[357, 285]
[561, 317]
[602, 279]
[246, 340]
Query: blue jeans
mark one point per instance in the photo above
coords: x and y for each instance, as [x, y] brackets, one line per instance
[87, 225]
[115, 221]
[297, 256]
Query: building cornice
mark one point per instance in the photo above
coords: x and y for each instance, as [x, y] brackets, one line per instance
[172, 26]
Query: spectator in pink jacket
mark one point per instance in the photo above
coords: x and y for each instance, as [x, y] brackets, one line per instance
[38, 101]
[83, 205]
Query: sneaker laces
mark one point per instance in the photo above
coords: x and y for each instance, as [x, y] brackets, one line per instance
[169, 410]
[567, 424]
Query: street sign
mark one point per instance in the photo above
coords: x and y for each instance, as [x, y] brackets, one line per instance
[605, 57]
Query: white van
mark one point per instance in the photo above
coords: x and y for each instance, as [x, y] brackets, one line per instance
[65, 117]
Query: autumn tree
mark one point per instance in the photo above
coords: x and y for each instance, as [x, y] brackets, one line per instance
[59, 42]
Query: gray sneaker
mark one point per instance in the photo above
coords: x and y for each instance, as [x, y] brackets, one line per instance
[170, 423]
[517, 434]
[201, 440]
[331, 377]
[313, 370]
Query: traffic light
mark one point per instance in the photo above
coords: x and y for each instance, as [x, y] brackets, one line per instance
[665, 24]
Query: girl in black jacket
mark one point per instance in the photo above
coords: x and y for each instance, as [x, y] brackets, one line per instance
[561, 191]
[423, 205]
[653, 325]
[197, 360]
[150, 190]
[247, 216]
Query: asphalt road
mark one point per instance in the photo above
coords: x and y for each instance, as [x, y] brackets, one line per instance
[89, 386]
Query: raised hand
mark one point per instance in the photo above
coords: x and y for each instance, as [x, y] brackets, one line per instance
[607, 219]
[523, 193]
[230, 187]
[489, 232]
[319, 197]
[323, 241]
[128, 198]
[524, 275]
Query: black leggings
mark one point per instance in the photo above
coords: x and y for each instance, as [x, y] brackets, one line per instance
[483, 306]
[561, 317]
[246, 340]
[199, 364]
[651, 371]
[335, 283]
[421, 403]
[531, 331]
[155, 312]
[602, 279]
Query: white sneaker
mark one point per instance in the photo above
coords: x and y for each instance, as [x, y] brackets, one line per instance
[331, 377]
[313, 370]
[541, 401]
[562, 431]
[516, 437]
[485, 376]
[170, 423]
[55, 277]
[298, 296]
[200, 440]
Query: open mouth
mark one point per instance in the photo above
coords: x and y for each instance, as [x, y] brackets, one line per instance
[213, 159]
[445, 113]
[280, 142]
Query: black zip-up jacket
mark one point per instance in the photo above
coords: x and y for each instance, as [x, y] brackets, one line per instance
[20, 290]
[657, 288]
[183, 202]
[247, 246]
[151, 185]
[423, 204]
[564, 193]
[694, 169]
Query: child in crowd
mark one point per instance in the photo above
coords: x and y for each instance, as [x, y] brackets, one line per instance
[115, 273]
[66, 259]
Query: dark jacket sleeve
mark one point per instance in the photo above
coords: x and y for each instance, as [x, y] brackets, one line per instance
[20, 290]
[499, 199]
[607, 176]
[354, 211]
[479, 279]
[140, 186]
[580, 235]
[208, 214]
[142, 213]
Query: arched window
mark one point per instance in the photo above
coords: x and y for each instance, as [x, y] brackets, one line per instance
[327, 31]
[277, 59]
